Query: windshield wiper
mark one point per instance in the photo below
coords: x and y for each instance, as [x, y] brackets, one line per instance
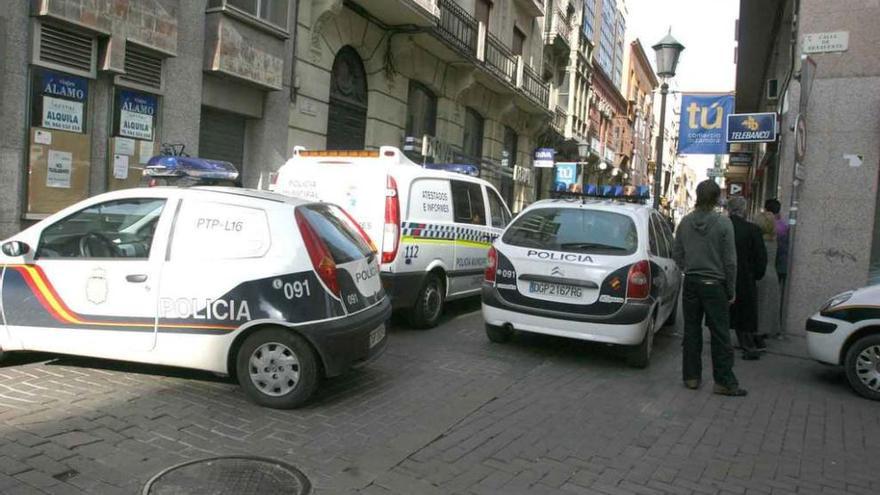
[591, 245]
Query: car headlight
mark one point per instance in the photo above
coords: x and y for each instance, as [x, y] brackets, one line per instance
[836, 300]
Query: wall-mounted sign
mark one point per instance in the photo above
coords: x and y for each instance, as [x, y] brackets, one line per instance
[736, 188]
[59, 169]
[741, 158]
[566, 176]
[59, 101]
[137, 114]
[703, 124]
[837, 41]
[751, 128]
[522, 175]
[544, 157]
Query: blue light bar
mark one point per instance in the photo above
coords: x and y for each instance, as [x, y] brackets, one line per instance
[458, 168]
[185, 166]
[643, 191]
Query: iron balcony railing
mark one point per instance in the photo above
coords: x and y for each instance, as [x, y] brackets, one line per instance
[563, 25]
[457, 27]
[534, 87]
[500, 60]
[559, 118]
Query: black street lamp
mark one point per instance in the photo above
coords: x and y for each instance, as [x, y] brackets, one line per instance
[667, 52]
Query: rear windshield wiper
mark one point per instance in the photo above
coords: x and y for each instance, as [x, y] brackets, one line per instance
[591, 245]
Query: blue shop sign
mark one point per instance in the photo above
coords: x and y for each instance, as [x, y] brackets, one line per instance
[751, 127]
[65, 86]
[137, 114]
[703, 123]
[566, 176]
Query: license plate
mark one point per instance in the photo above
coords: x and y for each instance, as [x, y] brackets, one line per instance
[561, 290]
[377, 335]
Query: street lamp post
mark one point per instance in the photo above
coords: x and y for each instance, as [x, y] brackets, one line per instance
[667, 52]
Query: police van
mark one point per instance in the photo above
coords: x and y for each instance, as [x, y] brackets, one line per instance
[593, 267]
[273, 290]
[433, 227]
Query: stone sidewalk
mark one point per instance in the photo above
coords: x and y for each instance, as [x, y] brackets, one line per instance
[445, 411]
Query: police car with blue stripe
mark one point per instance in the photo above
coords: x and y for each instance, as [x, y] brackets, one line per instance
[588, 267]
[273, 290]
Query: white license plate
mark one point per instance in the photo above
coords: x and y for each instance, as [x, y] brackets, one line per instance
[561, 290]
[377, 335]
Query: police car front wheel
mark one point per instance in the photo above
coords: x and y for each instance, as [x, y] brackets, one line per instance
[277, 368]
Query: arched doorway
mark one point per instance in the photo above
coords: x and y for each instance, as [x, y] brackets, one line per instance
[347, 118]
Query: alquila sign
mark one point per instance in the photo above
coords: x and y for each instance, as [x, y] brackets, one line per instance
[63, 99]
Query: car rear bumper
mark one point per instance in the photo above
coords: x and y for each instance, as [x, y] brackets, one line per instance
[611, 333]
[345, 342]
[825, 338]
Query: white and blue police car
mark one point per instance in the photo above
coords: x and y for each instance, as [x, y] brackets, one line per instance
[585, 268]
[273, 290]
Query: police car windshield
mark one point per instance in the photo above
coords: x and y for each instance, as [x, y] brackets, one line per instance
[574, 230]
[330, 225]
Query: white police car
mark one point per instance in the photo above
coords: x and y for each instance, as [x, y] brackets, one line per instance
[846, 331]
[588, 269]
[273, 290]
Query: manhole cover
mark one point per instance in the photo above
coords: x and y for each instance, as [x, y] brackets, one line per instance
[229, 475]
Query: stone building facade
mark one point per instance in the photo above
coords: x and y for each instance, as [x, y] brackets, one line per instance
[91, 88]
[836, 93]
[448, 81]
[640, 82]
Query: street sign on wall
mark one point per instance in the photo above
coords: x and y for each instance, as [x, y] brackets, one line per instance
[544, 157]
[715, 172]
[837, 41]
[751, 128]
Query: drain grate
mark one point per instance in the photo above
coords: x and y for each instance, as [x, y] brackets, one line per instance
[233, 475]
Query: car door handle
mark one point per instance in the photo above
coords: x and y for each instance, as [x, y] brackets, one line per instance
[136, 278]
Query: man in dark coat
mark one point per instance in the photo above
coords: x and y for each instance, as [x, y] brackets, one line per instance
[751, 256]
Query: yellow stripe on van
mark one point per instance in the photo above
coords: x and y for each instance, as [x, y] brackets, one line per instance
[408, 239]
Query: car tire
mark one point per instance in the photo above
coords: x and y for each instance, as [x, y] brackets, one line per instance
[291, 372]
[640, 356]
[498, 335]
[861, 365]
[429, 303]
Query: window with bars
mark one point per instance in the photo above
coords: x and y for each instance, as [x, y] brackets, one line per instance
[142, 68]
[65, 48]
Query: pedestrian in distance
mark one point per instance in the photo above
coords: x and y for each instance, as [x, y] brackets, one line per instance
[769, 293]
[705, 251]
[782, 235]
[751, 264]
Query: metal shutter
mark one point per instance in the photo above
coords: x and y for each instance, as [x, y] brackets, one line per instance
[142, 68]
[66, 48]
[221, 136]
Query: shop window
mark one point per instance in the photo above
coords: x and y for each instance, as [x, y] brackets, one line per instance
[271, 11]
[134, 137]
[421, 111]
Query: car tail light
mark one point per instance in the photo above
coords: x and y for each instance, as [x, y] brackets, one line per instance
[357, 227]
[391, 234]
[322, 262]
[491, 266]
[638, 282]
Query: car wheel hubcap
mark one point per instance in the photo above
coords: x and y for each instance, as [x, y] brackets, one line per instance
[868, 367]
[274, 369]
[432, 301]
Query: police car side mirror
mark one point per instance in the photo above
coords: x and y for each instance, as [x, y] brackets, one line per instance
[15, 248]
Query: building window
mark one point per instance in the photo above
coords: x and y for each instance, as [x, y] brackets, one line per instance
[519, 40]
[421, 111]
[473, 135]
[482, 10]
[589, 19]
[271, 11]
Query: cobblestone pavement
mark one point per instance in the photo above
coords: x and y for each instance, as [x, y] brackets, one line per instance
[445, 411]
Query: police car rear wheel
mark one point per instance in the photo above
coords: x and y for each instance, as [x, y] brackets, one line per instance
[277, 368]
[497, 334]
[429, 305]
[640, 356]
[862, 365]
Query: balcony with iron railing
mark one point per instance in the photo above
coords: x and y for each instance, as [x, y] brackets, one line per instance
[560, 118]
[559, 34]
[469, 39]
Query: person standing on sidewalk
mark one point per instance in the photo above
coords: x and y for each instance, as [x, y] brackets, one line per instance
[769, 295]
[782, 235]
[705, 251]
[751, 264]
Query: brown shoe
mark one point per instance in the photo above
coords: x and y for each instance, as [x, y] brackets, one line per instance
[692, 384]
[735, 391]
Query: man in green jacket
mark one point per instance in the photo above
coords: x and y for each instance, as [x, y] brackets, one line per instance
[706, 253]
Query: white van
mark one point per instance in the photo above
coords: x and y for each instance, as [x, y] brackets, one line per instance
[432, 227]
